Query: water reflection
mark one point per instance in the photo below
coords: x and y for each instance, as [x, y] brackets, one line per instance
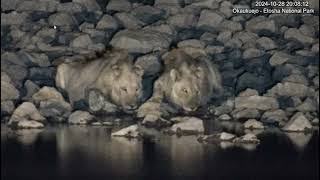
[300, 140]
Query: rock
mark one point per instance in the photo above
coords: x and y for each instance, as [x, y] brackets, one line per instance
[148, 14]
[266, 43]
[82, 41]
[252, 53]
[98, 104]
[209, 20]
[279, 58]
[150, 63]
[62, 19]
[225, 108]
[227, 136]
[35, 59]
[80, 117]
[230, 26]
[8, 91]
[108, 23]
[128, 21]
[258, 82]
[296, 35]
[7, 5]
[142, 41]
[41, 73]
[29, 124]
[298, 123]
[7, 108]
[248, 138]
[119, 5]
[188, 125]
[26, 111]
[246, 37]
[182, 21]
[253, 124]
[307, 30]
[46, 6]
[211, 50]
[296, 78]
[290, 89]
[191, 43]
[315, 122]
[70, 7]
[91, 5]
[248, 113]
[278, 116]
[154, 121]
[315, 48]
[31, 88]
[256, 102]
[248, 92]
[224, 117]
[128, 132]
[224, 36]
[206, 4]
[163, 28]
[309, 105]
[261, 25]
[47, 93]
[168, 2]
[13, 18]
[54, 110]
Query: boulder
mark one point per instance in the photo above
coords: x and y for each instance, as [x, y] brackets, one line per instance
[252, 53]
[119, 5]
[45, 6]
[148, 14]
[253, 124]
[266, 43]
[261, 25]
[30, 88]
[188, 125]
[209, 20]
[128, 21]
[248, 92]
[29, 124]
[141, 41]
[108, 23]
[290, 89]
[248, 138]
[182, 21]
[47, 93]
[296, 35]
[8, 91]
[227, 136]
[247, 113]
[256, 102]
[26, 111]
[62, 19]
[128, 132]
[56, 111]
[14, 18]
[91, 5]
[278, 116]
[150, 63]
[308, 105]
[80, 117]
[7, 108]
[298, 123]
[82, 41]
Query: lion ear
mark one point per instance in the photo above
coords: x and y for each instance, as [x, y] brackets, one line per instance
[116, 70]
[138, 70]
[174, 74]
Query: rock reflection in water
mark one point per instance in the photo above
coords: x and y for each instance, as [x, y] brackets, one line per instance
[300, 140]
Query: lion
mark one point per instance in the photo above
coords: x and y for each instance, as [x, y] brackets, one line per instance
[186, 84]
[114, 75]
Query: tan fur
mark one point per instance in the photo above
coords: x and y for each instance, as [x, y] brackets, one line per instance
[187, 83]
[115, 75]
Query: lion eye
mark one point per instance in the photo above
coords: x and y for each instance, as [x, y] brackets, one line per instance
[185, 90]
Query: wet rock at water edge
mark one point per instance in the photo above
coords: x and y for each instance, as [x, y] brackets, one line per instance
[248, 138]
[128, 132]
[154, 121]
[26, 112]
[55, 111]
[253, 124]
[47, 93]
[98, 104]
[7, 108]
[187, 125]
[298, 123]
[256, 102]
[80, 118]
[8, 90]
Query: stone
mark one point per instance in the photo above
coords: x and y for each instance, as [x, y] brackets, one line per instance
[206, 4]
[232, 26]
[225, 108]
[148, 14]
[30, 89]
[290, 89]
[252, 53]
[163, 28]
[70, 7]
[209, 20]
[315, 48]
[8, 91]
[7, 108]
[266, 43]
[128, 132]
[142, 41]
[41, 73]
[224, 117]
[7, 5]
[98, 104]
[187, 124]
[182, 21]
[56, 111]
[155, 121]
[191, 43]
[108, 23]
[227, 136]
[36, 59]
[251, 80]
[82, 41]
[224, 36]
[279, 58]
[128, 21]
[27, 124]
[261, 25]
[296, 78]
[246, 37]
[119, 5]
[308, 105]
[253, 124]
[298, 123]
[307, 30]
[278, 116]
[150, 63]
[296, 35]
[248, 113]
[257, 102]
[91, 5]
[80, 117]
[168, 2]
[14, 18]
[248, 138]
[25, 111]
[47, 93]
[211, 50]
[62, 19]
[46, 6]
[248, 92]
